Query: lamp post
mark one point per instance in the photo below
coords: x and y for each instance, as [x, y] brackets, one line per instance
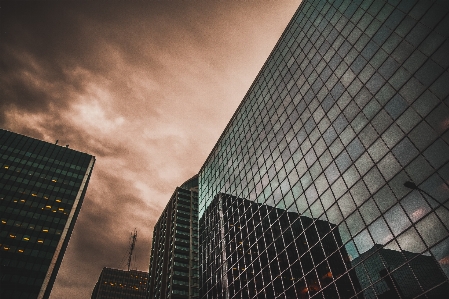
[413, 186]
[410, 185]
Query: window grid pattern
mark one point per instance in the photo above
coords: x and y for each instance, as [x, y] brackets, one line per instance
[174, 251]
[351, 104]
[116, 284]
[42, 186]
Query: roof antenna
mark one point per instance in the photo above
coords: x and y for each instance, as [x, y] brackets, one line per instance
[131, 247]
[56, 141]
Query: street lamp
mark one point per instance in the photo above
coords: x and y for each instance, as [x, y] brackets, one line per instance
[413, 186]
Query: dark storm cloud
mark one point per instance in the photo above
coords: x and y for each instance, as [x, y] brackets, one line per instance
[48, 47]
[145, 86]
[29, 56]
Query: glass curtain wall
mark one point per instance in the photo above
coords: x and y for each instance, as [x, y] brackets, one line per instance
[335, 165]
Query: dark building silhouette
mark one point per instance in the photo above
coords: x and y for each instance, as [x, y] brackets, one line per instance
[267, 249]
[174, 251]
[345, 126]
[42, 187]
[121, 284]
[396, 273]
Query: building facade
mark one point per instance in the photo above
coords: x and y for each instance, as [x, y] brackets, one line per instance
[174, 250]
[401, 281]
[347, 125]
[42, 187]
[246, 227]
[121, 284]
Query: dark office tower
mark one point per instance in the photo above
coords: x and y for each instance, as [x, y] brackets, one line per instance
[346, 123]
[42, 187]
[121, 284]
[246, 266]
[174, 251]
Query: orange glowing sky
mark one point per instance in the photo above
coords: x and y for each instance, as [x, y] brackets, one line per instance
[145, 86]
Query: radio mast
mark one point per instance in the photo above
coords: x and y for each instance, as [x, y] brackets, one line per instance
[131, 247]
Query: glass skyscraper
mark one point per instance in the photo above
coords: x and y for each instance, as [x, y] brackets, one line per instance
[42, 187]
[174, 250]
[331, 180]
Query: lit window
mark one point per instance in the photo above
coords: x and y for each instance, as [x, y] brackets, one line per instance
[40, 241]
[22, 200]
[6, 248]
[4, 221]
[58, 200]
[26, 238]
[54, 181]
[61, 209]
[20, 250]
[12, 236]
[45, 230]
[6, 166]
[33, 194]
[48, 207]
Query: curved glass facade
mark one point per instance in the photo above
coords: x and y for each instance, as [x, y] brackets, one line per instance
[333, 171]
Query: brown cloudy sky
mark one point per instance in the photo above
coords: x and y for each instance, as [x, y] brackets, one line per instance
[145, 86]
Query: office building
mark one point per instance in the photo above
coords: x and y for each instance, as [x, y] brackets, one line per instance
[346, 124]
[381, 260]
[174, 251]
[248, 266]
[42, 187]
[121, 284]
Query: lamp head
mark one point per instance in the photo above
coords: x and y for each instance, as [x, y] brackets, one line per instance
[410, 185]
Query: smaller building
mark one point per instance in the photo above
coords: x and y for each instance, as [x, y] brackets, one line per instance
[120, 284]
[399, 274]
[174, 251]
[240, 229]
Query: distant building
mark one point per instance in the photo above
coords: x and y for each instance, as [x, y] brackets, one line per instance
[42, 187]
[120, 284]
[174, 252]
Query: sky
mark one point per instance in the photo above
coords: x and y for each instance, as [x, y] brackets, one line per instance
[146, 87]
